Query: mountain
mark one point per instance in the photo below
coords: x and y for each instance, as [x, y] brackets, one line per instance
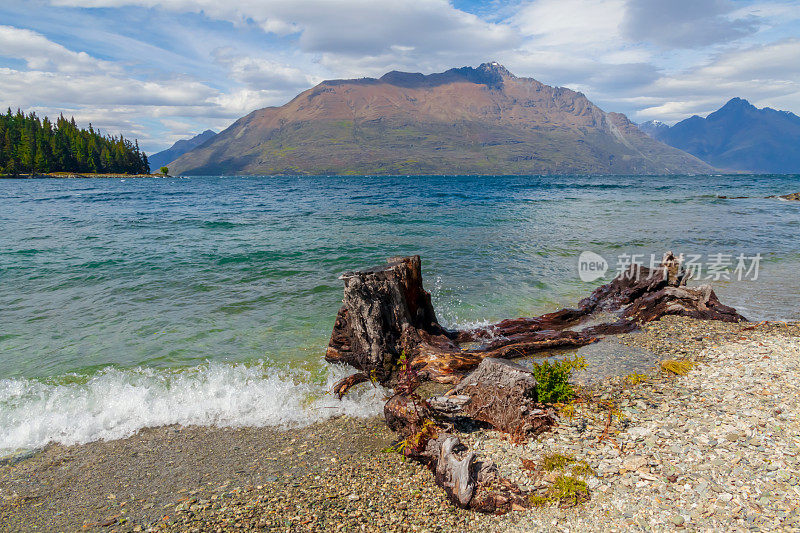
[740, 137]
[466, 120]
[167, 156]
[653, 128]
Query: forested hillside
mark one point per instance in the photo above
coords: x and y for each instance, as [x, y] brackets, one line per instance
[29, 144]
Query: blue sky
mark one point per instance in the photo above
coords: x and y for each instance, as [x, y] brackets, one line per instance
[161, 70]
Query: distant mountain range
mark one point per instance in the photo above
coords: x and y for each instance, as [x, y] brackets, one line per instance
[167, 156]
[737, 137]
[466, 120]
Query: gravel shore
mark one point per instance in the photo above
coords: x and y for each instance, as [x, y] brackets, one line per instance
[716, 449]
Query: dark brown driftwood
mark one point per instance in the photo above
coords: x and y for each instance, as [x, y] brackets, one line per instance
[503, 394]
[387, 313]
[387, 329]
[381, 305]
[469, 482]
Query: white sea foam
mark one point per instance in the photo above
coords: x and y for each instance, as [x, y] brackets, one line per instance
[115, 404]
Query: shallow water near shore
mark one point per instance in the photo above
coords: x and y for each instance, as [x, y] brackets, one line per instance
[135, 303]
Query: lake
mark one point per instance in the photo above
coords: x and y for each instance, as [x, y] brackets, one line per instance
[127, 303]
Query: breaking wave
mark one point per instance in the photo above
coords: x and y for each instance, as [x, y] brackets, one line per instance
[115, 404]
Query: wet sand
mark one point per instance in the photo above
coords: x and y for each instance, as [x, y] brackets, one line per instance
[329, 474]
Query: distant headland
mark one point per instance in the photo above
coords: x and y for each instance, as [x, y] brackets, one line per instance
[34, 146]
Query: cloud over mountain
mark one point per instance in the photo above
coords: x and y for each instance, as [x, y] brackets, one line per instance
[165, 68]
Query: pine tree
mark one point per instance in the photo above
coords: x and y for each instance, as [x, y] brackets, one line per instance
[31, 144]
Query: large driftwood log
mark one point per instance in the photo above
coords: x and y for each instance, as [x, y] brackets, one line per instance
[381, 305]
[388, 330]
[387, 313]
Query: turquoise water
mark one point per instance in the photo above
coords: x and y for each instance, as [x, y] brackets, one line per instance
[128, 303]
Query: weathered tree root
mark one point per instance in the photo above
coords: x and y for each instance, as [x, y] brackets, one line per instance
[469, 482]
[387, 312]
[388, 330]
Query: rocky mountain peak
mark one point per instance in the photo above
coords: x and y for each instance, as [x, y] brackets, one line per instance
[495, 68]
[739, 136]
[735, 104]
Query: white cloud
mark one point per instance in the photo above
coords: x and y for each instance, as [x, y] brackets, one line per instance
[776, 62]
[572, 23]
[765, 74]
[261, 73]
[685, 23]
[769, 11]
[579, 44]
[346, 32]
[40, 53]
[34, 87]
[243, 101]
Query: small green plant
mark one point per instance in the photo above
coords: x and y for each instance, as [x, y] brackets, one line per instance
[397, 447]
[582, 468]
[538, 501]
[558, 461]
[552, 379]
[568, 491]
[164, 170]
[414, 443]
[417, 441]
[567, 410]
[679, 368]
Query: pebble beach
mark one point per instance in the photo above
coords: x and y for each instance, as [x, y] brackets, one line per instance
[715, 449]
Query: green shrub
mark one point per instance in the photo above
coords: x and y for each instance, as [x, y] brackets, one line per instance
[556, 461]
[568, 491]
[552, 379]
[560, 461]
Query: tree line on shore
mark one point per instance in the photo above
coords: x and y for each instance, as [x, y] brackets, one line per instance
[29, 145]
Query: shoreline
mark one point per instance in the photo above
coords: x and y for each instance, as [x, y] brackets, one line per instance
[333, 474]
[77, 175]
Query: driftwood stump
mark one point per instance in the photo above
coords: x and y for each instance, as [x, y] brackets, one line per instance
[387, 313]
[387, 329]
[382, 308]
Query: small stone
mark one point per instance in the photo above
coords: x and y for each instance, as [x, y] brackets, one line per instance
[634, 462]
[607, 468]
[677, 520]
